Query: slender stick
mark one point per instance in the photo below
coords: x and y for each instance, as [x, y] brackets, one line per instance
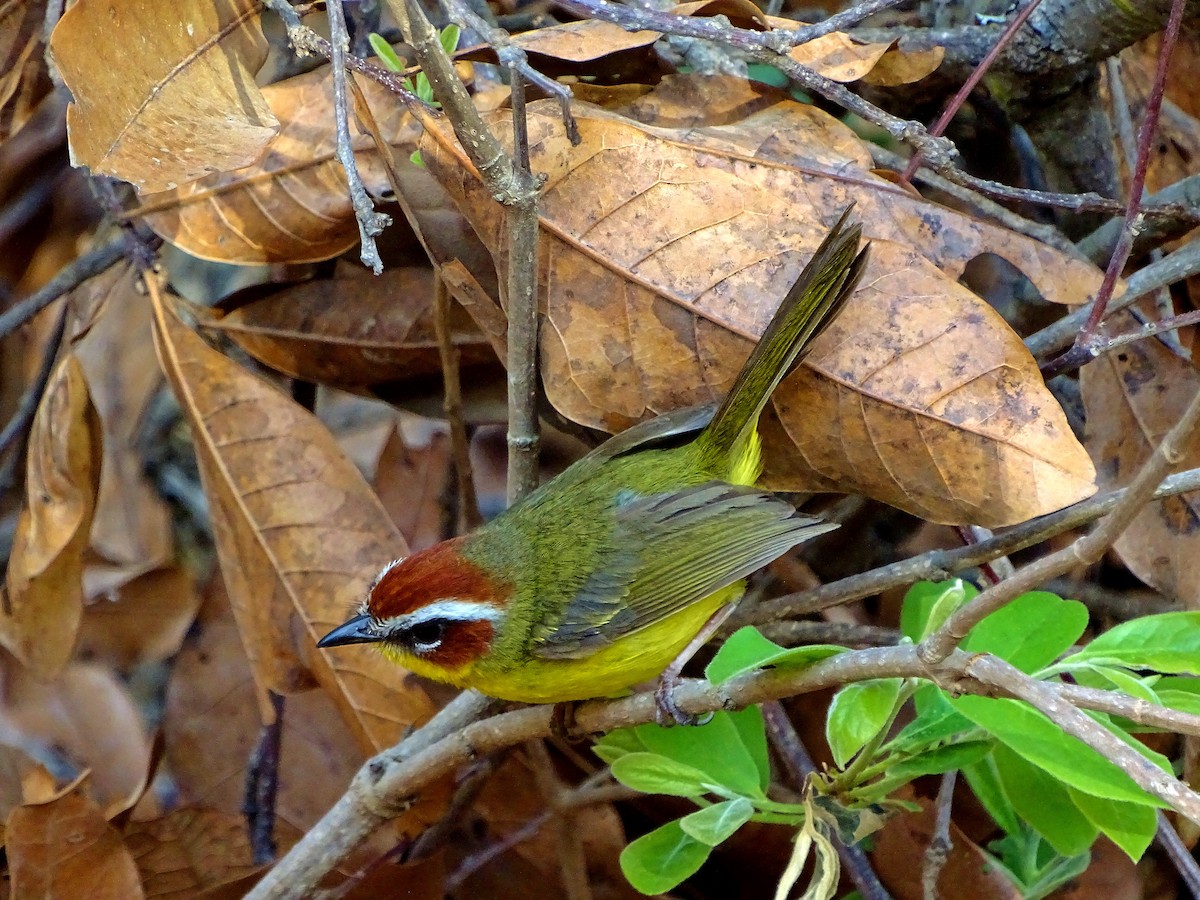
[468, 504]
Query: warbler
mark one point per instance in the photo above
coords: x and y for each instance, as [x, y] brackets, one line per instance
[627, 560]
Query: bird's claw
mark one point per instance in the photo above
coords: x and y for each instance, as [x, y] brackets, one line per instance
[563, 725]
[667, 711]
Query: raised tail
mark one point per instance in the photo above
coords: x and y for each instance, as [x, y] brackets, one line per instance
[814, 300]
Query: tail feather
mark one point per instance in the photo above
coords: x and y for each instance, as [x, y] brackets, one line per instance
[812, 303]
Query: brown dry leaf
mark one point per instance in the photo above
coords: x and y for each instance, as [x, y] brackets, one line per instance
[299, 534]
[293, 205]
[576, 42]
[131, 532]
[686, 101]
[411, 477]
[190, 851]
[85, 717]
[181, 104]
[1133, 396]
[17, 769]
[144, 620]
[23, 78]
[39, 622]
[380, 329]
[675, 246]
[65, 849]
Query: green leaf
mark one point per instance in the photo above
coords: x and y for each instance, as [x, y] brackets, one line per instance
[449, 38]
[1184, 701]
[1168, 643]
[1108, 678]
[616, 744]
[651, 773]
[415, 159]
[747, 650]
[984, 780]
[1031, 631]
[384, 51]
[717, 823]
[1038, 740]
[658, 861]
[858, 713]
[752, 731]
[943, 759]
[1044, 803]
[928, 604]
[767, 75]
[936, 721]
[1130, 826]
[717, 749]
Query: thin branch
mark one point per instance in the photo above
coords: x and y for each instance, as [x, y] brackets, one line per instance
[572, 862]
[67, 279]
[262, 785]
[468, 504]
[941, 844]
[1086, 550]
[370, 222]
[1185, 863]
[388, 783]
[940, 564]
[27, 408]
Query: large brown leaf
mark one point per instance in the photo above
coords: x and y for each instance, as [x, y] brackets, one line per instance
[39, 621]
[1133, 396]
[65, 849]
[663, 252]
[180, 103]
[190, 851]
[299, 533]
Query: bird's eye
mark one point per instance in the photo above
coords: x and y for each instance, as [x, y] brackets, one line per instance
[427, 635]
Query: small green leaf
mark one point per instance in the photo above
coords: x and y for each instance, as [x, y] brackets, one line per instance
[449, 38]
[616, 744]
[660, 860]
[1044, 803]
[747, 650]
[858, 713]
[936, 721]
[943, 759]
[1168, 643]
[384, 51]
[717, 749]
[1108, 678]
[1130, 826]
[717, 823]
[1038, 740]
[768, 75]
[928, 604]
[651, 773]
[750, 728]
[1031, 631]
[415, 159]
[984, 779]
[1184, 701]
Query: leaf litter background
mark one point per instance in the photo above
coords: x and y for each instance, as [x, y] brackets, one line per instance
[136, 674]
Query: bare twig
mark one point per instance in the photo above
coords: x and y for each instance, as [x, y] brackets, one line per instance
[370, 222]
[468, 505]
[940, 564]
[938, 851]
[67, 279]
[262, 785]
[1086, 549]
[386, 784]
[21, 419]
[1168, 838]
[572, 862]
[975, 77]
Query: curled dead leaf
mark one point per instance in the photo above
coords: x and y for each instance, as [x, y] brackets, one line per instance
[182, 105]
[39, 622]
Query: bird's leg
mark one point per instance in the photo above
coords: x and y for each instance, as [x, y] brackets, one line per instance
[668, 710]
[563, 725]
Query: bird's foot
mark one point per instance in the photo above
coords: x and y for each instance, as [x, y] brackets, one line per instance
[667, 711]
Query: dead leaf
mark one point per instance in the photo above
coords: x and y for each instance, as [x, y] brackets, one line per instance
[181, 104]
[299, 534]
[132, 529]
[688, 101]
[45, 572]
[65, 849]
[292, 205]
[675, 245]
[1133, 396]
[379, 331]
[23, 78]
[84, 718]
[190, 851]
[144, 620]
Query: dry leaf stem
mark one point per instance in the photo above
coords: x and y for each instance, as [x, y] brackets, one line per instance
[799, 765]
[1085, 346]
[940, 564]
[1086, 550]
[370, 222]
[387, 783]
[468, 504]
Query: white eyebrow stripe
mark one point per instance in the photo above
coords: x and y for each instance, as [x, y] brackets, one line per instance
[453, 610]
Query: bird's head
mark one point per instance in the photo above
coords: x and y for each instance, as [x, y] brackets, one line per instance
[435, 606]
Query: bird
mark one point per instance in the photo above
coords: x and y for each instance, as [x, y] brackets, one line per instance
[616, 570]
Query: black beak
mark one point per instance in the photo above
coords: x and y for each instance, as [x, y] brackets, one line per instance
[359, 630]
